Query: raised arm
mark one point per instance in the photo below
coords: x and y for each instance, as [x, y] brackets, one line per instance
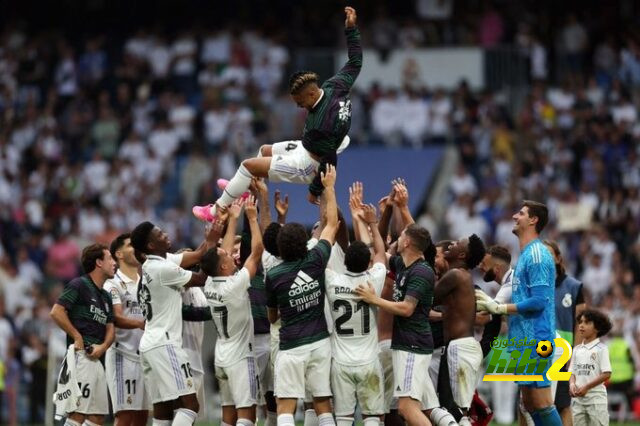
[331, 227]
[355, 207]
[261, 192]
[282, 207]
[253, 261]
[230, 236]
[401, 200]
[370, 217]
[190, 258]
[345, 78]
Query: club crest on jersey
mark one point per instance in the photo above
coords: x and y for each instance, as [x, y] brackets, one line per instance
[345, 110]
[566, 300]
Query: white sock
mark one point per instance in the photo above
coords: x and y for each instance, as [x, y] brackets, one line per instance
[244, 422]
[310, 418]
[464, 421]
[326, 419]
[286, 420]
[371, 421]
[237, 186]
[89, 423]
[184, 417]
[441, 417]
[225, 424]
[156, 422]
[70, 422]
[344, 421]
[272, 419]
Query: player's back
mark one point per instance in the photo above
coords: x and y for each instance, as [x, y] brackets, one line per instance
[160, 298]
[228, 298]
[355, 336]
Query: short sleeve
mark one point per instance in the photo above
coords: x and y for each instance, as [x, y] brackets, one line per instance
[504, 294]
[378, 274]
[272, 300]
[336, 259]
[237, 285]
[172, 275]
[112, 290]
[418, 284]
[110, 317]
[605, 362]
[175, 258]
[572, 360]
[318, 258]
[70, 295]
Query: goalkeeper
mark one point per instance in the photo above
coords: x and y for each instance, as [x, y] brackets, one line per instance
[532, 313]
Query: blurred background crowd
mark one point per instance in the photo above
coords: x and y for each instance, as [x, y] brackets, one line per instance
[104, 126]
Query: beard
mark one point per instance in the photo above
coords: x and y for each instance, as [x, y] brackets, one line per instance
[489, 276]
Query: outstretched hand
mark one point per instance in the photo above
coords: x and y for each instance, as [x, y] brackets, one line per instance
[369, 214]
[250, 209]
[282, 205]
[328, 178]
[350, 20]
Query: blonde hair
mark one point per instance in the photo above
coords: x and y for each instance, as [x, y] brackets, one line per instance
[300, 80]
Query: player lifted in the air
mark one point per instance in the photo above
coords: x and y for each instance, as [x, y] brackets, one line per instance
[324, 137]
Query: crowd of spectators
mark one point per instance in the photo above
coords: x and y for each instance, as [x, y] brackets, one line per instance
[98, 136]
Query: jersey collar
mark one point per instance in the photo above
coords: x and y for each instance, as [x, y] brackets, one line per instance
[319, 99]
[591, 344]
[125, 279]
[155, 257]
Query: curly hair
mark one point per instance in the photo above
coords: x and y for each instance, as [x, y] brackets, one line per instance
[357, 257]
[299, 80]
[475, 251]
[292, 242]
[600, 321]
[270, 238]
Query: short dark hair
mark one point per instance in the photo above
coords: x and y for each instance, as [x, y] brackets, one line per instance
[140, 236]
[209, 262]
[90, 255]
[419, 236]
[270, 238]
[500, 253]
[600, 321]
[538, 210]
[292, 242]
[118, 243]
[475, 251]
[301, 79]
[357, 257]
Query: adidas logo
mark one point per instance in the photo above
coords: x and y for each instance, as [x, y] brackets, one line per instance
[303, 283]
[398, 389]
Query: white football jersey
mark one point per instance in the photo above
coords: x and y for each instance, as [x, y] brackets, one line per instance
[161, 301]
[193, 331]
[268, 262]
[124, 292]
[230, 306]
[355, 336]
[588, 362]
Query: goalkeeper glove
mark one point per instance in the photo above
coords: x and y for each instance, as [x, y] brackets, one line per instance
[486, 303]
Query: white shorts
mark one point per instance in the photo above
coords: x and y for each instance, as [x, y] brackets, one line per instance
[167, 373]
[239, 383]
[464, 358]
[290, 162]
[92, 382]
[434, 366]
[363, 384]
[262, 352]
[386, 361]
[410, 378]
[126, 382]
[307, 366]
[592, 414]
